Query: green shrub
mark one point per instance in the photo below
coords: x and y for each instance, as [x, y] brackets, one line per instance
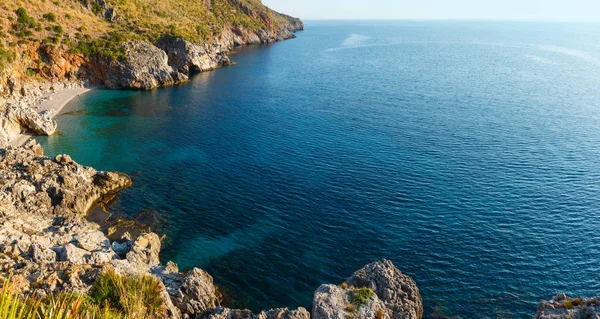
[108, 46]
[351, 308]
[49, 16]
[96, 8]
[31, 72]
[136, 297]
[568, 304]
[361, 296]
[24, 21]
[58, 29]
[6, 57]
[68, 16]
[51, 40]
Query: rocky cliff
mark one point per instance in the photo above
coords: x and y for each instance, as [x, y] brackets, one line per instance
[128, 44]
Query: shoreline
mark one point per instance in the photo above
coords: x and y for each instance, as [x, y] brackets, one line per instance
[54, 102]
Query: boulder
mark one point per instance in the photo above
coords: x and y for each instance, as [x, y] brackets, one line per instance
[145, 251]
[378, 290]
[195, 293]
[335, 302]
[284, 313]
[92, 241]
[398, 291]
[41, 254]
[72, 254]
[144, 67]
[563, 307]
[279, 313]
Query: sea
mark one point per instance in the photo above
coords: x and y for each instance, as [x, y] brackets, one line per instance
[466, 152]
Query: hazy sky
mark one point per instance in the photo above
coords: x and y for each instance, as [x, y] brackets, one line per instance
[440, 9]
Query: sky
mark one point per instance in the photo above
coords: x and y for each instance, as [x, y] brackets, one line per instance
[439, 9]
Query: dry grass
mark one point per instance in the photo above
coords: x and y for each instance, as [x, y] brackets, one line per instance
[79, 16]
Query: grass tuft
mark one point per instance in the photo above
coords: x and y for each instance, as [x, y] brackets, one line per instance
[136, 297]
[361, 296]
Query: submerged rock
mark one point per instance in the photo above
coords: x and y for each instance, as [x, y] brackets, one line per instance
[563, 307]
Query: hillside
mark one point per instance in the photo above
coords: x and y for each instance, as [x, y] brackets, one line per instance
[93, 39]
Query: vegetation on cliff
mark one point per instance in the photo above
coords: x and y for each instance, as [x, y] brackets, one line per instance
[52, 38]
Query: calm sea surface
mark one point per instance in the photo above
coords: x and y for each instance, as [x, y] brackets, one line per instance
[468, 153]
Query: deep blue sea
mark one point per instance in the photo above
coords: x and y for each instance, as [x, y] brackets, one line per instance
[468, 153]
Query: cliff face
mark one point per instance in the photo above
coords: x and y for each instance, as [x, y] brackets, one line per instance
[128, 44]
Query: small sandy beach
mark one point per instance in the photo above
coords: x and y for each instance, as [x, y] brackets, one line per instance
[54, 101]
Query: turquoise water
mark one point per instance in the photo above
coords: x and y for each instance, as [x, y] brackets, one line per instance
[466, 152]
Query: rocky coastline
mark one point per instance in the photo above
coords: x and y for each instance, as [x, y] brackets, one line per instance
[48, 246]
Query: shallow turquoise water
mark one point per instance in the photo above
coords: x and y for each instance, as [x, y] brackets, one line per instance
[466, 152]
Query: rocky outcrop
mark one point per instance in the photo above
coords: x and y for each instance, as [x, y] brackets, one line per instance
[145, 67]
[279, 313]
[186, 57]
[563, 307]
[398, 291]
[15, 119]
[20, 112]
[335, 302]
[32, 184]
[378, 290]
[194, 293]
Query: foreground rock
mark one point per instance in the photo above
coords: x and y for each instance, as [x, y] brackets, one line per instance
[34, 185]
[563, 307]
[378, 290]
[279, 313]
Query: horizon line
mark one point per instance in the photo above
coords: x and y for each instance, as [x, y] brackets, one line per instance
[596, 20]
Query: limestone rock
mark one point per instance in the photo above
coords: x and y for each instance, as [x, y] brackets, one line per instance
[187, 57]
[563, 307]
[284, 313]
[398, 291]
[42, 254]
[145, 67]
[279, 313]
[92, 241]
[72, 254]
[195, 293]
[34, 184]
[335, 302]
[145, 251]
[395, 295]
